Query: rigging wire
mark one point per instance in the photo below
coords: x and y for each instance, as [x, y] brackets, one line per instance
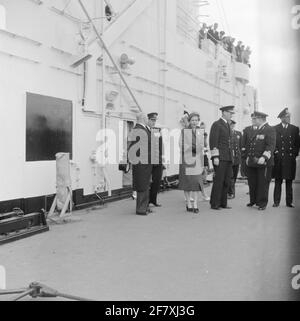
[221, 15]
[225, 16]
[66, 6]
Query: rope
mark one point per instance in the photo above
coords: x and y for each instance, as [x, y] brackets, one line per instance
[28, 292]
[38, 290]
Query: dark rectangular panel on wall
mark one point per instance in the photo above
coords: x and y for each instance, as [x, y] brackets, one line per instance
[48, 127]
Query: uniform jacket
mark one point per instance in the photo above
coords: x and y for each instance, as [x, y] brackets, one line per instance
[262, 144]
[142, 170]
[220, 141]
[156, 146]
[248, 134]
[287, 149]
[237, 147]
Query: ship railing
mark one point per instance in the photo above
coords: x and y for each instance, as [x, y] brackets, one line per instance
[188, 27]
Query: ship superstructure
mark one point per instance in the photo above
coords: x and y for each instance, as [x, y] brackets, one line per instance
[59, 87]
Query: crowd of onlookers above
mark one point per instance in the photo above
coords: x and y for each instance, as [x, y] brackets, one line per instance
[240, 52]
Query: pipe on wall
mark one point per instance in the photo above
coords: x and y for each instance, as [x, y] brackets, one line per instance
[109, 55]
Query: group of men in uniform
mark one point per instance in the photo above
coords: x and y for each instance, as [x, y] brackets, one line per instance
[265, 151]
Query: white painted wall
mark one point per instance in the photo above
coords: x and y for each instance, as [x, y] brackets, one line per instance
[190, 81]
[2, 17]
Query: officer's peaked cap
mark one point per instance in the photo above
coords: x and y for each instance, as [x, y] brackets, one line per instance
[228, 108]
[152, 115]
[283, 113]
[258, 114]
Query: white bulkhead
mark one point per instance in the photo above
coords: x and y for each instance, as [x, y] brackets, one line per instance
[166, 72]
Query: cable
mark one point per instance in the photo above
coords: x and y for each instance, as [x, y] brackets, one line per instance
[220, 14]
[225, 16]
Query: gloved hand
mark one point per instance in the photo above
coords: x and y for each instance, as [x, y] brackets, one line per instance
[216, 161]
[261, 161]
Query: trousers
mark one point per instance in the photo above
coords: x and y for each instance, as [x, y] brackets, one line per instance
[259, 180]
[157, 172]
[142, 202]
[221, 184]
[288, 188]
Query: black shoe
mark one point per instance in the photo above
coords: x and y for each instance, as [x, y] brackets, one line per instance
[275, 205]
[141, 214]
[216, 208]
[196, 210]
[291, 205]
[262, 208]
[189, 209]
[250, 205]
[156, 204]
[227, 207]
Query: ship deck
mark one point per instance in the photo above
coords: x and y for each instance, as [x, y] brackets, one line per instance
[112, 254]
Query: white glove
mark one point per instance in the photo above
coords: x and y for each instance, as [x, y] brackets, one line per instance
[261, 161]
[216, 161]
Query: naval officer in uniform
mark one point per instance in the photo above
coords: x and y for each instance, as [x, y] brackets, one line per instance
[260, 160]
[237, 158]
[287, 149]
[248, 133]
[156, 154]
[222, 158]
[139, 155]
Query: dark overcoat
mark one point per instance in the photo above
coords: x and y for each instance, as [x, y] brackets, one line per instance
[248, 134]
[139, 155]
[220, 141]
[262, 144]
[287, 149]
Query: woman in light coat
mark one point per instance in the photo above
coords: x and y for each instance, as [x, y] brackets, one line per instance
[192, 162]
